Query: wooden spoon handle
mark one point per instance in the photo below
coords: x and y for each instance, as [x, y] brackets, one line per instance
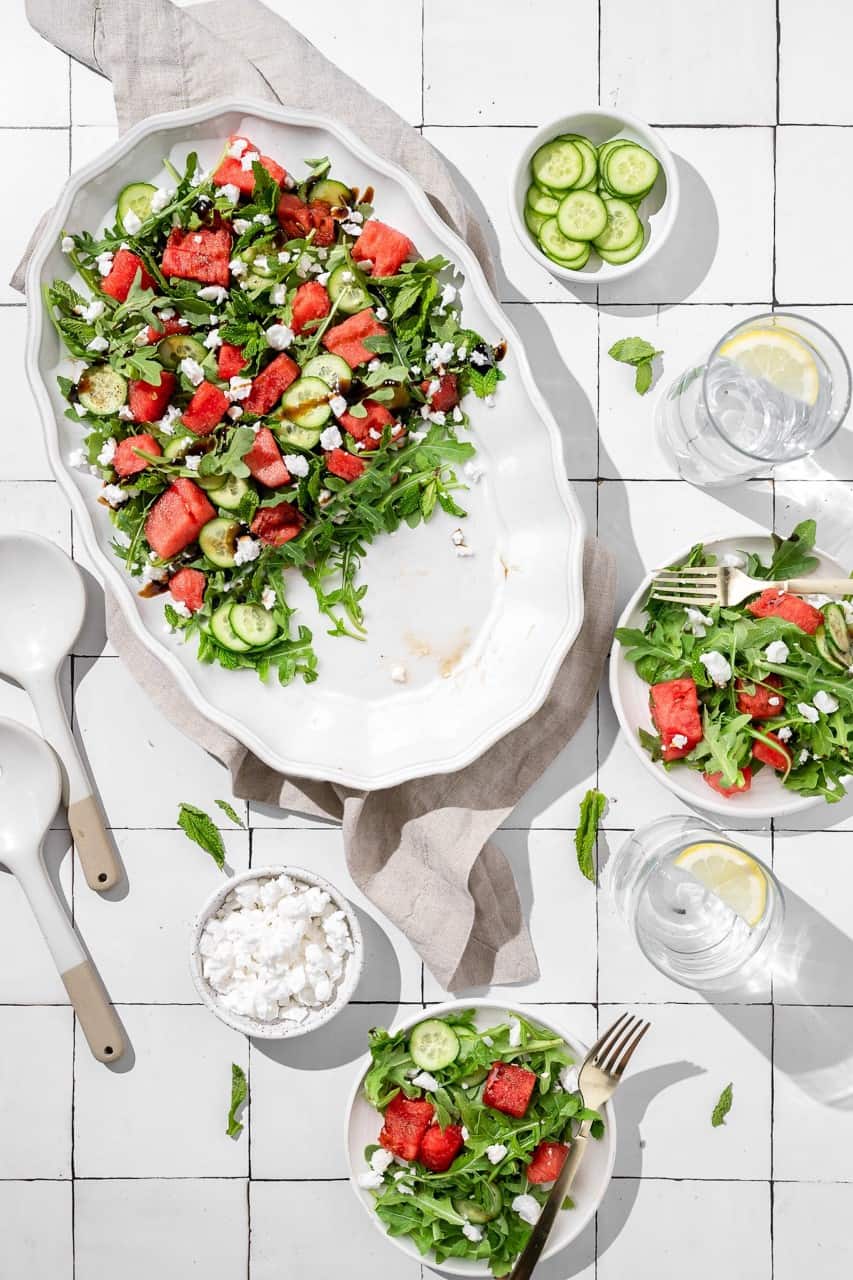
[94, 844]
[95, 1014]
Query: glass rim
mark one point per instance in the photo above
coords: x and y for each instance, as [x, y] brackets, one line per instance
[752, 320]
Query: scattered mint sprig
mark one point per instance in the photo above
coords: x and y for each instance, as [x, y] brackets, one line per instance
[591, 811]
[231, 813]
[199, 827]
[239, 1090]
[640, 354]
[723, 1107]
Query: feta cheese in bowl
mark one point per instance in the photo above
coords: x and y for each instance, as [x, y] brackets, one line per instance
[276, 952]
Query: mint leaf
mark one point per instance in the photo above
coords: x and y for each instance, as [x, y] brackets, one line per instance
[591, 810]
[231, 813]
[723, 1107]
[239, 1090]
[633, 351]
[201, 829]
[643, 377]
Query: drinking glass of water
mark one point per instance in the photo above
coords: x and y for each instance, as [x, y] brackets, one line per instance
[704, 911]
[773, 389]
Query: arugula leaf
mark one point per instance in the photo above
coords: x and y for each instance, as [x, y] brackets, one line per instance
[199, 827]
[239, 1091]
[791, 558]
[723, 1107]
[591, 811]
[231, 813]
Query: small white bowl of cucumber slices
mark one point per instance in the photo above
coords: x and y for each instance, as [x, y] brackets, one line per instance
[595, 195]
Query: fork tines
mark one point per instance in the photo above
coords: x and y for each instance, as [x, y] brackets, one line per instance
[696, 585]
[622, 1038]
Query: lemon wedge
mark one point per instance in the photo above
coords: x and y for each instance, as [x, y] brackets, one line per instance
[735, 877]
[780, 358]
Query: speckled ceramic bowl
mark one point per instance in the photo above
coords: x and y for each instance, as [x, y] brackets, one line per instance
[282, 1029]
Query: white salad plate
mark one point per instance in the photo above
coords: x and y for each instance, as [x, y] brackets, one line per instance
[363, 1123]
[481, 637]
[766, 798]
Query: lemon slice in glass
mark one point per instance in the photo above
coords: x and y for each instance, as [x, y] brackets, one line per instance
[780, 358]
[735, 877]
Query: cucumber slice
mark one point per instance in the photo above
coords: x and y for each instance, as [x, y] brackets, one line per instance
[556, 245]
[306, 402]
[827, 651]
[582, 215]
[474, 1211]
[474, 1077]
[618, 256]
[178, 447]
[433, 1045]
[218, 541]
[630, 170]
[611, 145]
[101, 390]
[177, 347]
[539, 202]
[836, 628]
[230, 494]
[331, 369]
[574, 264]
[335, 193]
[220, 625]
[558, 164]
[589, 156]
[533, 220]
[253, 624]
[346, 287]
[299, 437]
[623, 226]
[263, 250]
[135, 198]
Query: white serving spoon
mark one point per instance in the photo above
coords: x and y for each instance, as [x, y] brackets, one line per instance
[43, 604]
[30, 788]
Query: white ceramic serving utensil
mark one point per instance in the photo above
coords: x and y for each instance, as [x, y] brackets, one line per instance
[30, 788]
[44, 602]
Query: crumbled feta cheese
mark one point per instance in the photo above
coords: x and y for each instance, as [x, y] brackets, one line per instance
[825, 702]
[196, 239]
[474, 471]
[569, 1079]
[126, 413]
[93, 311]
[404, 1189]
[472, 1232]
[697, 622]
[457, 537]
[212, 293]
[351, 228]
[239, 387]
[415, 436]
[261, 263]
[248, 158]
[247, 549]
[784, 734]
[487, 1040]
[153, 573]
[105, 263]
[67, 244]
[132, 222]
[489, 401]
[262, 219]
[181, 607]
[303, 266]
[296, 463]
[461, 353]
[465, 1134]
[237, 267]
[167, 422]
[423, 1080]
[438, 417]
[717, 666]
[479, 359]
[141, 339]
[77, 458]
[527, 1208]
[464, 551]
[374, 365]
[774, 702]
[496, 1152]
[803, 756]
[114, 495]
[440, 353]
[777, 651]
[331, 438]
[192, 370]
[98, 344]
[808, 712]
[161, 198]
[81, 410]
[192, 461]
[457, 416]
[236, 147]
[380, 1160]
[284, 257]
[399, 675]
[374, 434]
[278, 296]
[268, 598]
[369, 1180]
[323, 277]
[514, 1033]
[279, 336]
[679, 740]
[213, 340]
[108, 452]
[448, 297]
[234, 412]
[230, 192]
[381, 313]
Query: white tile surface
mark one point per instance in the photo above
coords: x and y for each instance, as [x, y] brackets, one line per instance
[694, 51]
[32, 978]
[817, 160]
[813, 1120]
[814, 39]
[34, 87]
[29, 150]
[88, 141]
[22, 451]
[35, 1224]
[91, 97]
[36, 1119]
[811, 1231]
[191, 1228]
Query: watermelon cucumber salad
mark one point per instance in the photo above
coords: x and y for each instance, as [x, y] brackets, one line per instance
[584, 197]
[764, 685]
[475, 1127]
[269, 379]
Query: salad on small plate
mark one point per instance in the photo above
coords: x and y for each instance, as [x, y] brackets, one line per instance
[460, 1122]
[743, 709]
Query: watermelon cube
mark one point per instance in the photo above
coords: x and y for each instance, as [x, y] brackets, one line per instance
[446, 395]
[775, 603]
[440, 1147]
[231, 172]
[123, 273]
[270, 384]
[148, 400]
[547, 1162]
[310, 304]
[347, 339]
[715, 782]
[377, 418]
[175, 324]
[206, 409]
[406, 1120]
[198, 255]
[229, 361]
[509, 1088]
[764, 702]
[675, 711]
[778, 756]
[294, 217]
[386, 248]
[277, 525]
[126, 461]
[265, 462]
[322, 222]
[345, 465]
[187, 586]
[176, 518]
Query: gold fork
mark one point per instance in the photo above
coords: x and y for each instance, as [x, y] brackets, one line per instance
[704, 585]
[600, 1073]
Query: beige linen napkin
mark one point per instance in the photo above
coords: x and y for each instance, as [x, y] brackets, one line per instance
[421, 851]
